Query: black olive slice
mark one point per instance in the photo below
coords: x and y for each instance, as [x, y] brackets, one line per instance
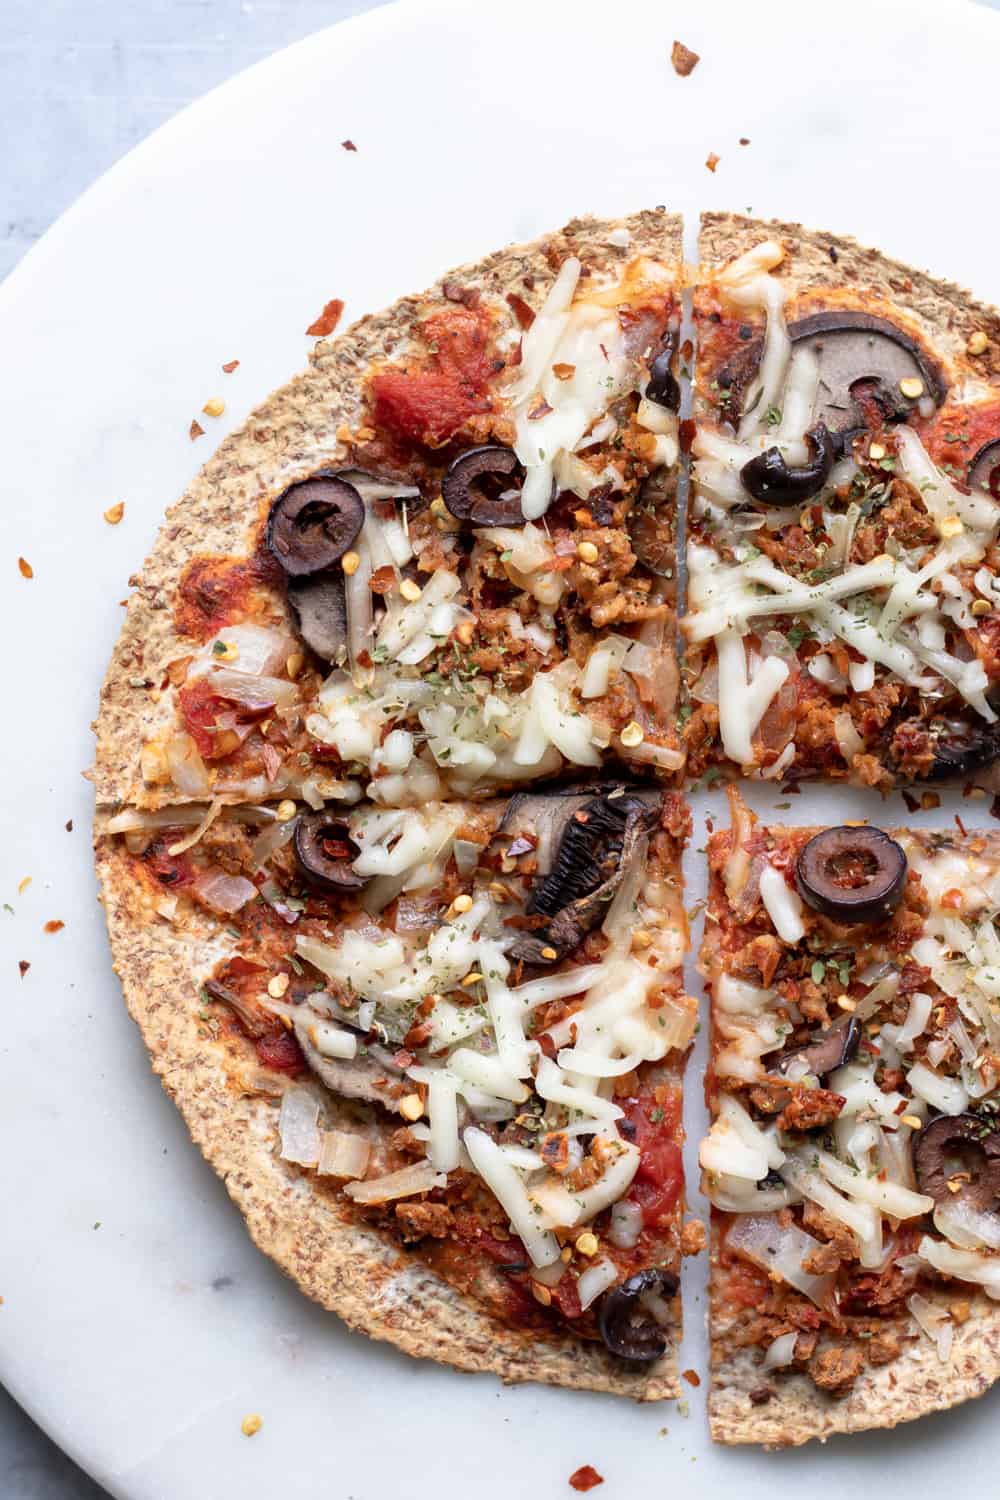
[962, 749]
[628, 1329]
[954, 1144]
[324, 851]
[662, 388]
[831, 1050]
[861, 357]
[313, 524]
[650, 525]
[852, 874]
[769, 479]
[320, 608]
[474, 489]
[984, 470]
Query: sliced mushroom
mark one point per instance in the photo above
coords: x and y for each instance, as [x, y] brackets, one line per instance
[852, 874]
[371, 1077]
[313, 524]
[984, 470]
[769, 479]
[324, 851]
[597, 844]
[830, 1050]
[320, 608]
[627, 1319]
[662, 387]
[861, 358]
[958, 1144]
[483, 486]
[651, 526]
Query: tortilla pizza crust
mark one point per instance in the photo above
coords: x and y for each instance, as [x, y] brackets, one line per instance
[349, 1269]
[914, 1385]
[291, 435]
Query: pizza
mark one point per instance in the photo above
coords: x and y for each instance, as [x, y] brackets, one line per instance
[391, 766]
[841, 616]
[388, 844]
[853, 1156]
[439, 563]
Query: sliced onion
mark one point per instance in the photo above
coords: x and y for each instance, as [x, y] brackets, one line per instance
[946, 1094]
[343, 1154]
[223, 893]
[190, 839]
[626, 1224]
[298, 1127]
[188, 771]
[595, 1280]
[966, 1265]
[934, 1321]
[780, 1251]
[968, 1227]
[260, 651]
[254, 693]
[272, 838]
[781, 1352]
[418, 1178]
[915, 1024]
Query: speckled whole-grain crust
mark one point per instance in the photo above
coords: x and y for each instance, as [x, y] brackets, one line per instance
[913, 1385]
[292, 434]
[350, 1269]
[794, 1409]
[827, 270]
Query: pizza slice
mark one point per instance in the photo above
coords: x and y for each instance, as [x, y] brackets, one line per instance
[852, 1163]
[436, 1056]
[439, 563]
[842, 609]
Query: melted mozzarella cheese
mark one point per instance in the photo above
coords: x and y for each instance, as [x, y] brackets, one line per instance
[783, 904]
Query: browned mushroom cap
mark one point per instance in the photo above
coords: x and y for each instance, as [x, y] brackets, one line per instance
[830, 1050]
[627, 1323]
[324, 851]
[860, 356]
[320, 608]
[965, 1147]
[852, 874]
[596, 847]
[312, 524]
[984, 470]
[483, 486]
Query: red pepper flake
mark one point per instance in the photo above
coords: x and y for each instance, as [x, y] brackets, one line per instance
[69, 826]
[230, 366]
[24, 966]
[349, 145]
[712, 161]
[382, 580]
[744, 140]
[54, 926]
[961, 827]
[327, 320]
[585, 1479]
[522, 312]
[684, 60]
[691, 1376]
[196, 431]
[685, 434]
[540, 409]
[25, 568]
[912, 803]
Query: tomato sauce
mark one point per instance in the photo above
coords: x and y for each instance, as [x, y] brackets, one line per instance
[218, 591]
[426, 402]
[658, 1183]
